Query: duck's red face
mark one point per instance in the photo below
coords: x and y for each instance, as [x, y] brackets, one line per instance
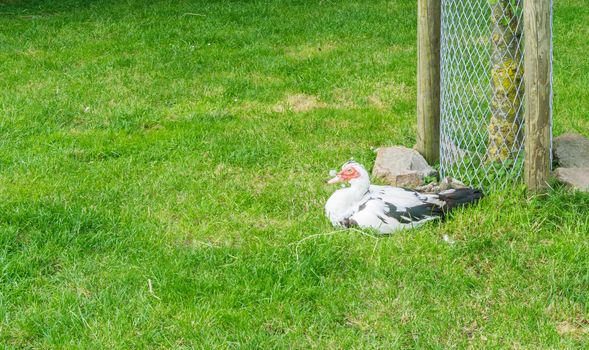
[348, 173]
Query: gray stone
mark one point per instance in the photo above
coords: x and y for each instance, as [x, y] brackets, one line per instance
[571, 151]
[432, 187]
[401, 166]
[575, 177]
[447, 183]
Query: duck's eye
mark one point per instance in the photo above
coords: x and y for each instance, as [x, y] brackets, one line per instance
[349, 171]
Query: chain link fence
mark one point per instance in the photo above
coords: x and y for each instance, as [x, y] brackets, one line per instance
[482, 129]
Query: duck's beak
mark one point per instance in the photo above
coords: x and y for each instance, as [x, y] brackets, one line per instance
[335, 180]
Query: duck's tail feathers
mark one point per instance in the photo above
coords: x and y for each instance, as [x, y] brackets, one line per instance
[459, 197]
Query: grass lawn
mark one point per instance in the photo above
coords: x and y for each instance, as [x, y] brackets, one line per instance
[160, 160]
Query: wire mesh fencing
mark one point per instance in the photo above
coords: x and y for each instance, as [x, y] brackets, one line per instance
[482, 129]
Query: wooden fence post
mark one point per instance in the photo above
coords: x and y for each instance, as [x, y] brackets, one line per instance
[538, 85]
[428, 79]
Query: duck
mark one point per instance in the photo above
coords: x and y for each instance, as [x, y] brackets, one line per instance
[388, 209]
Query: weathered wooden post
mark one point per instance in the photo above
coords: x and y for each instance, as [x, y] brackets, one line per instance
[538, 85]
[428, 79]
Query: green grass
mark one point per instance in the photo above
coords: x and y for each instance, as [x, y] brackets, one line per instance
[187, 143]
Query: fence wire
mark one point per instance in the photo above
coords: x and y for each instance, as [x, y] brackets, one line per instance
[482, 130]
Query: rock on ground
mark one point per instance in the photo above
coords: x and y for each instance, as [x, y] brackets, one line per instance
[575, 177]
[401, 166]
[571, 151]
[447, 183]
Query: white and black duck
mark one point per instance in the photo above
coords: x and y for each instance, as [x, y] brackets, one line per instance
[386, 208]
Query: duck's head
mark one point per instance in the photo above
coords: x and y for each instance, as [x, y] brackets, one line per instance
[351, 172]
